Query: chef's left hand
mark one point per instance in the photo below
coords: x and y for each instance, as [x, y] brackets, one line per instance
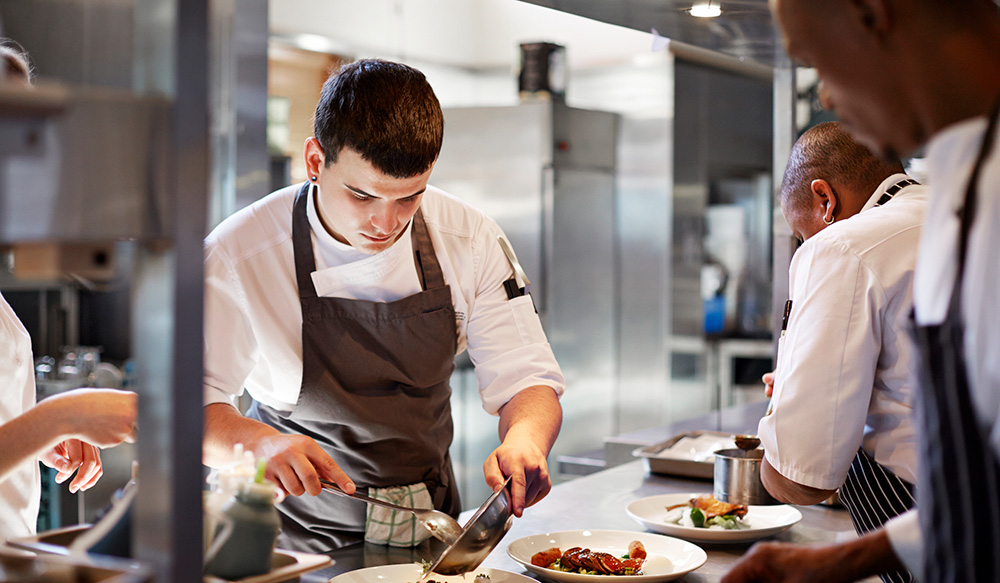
[77, 456]
[525, 463]
[529, 424]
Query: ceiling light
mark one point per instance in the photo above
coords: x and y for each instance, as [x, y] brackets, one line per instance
[706, 9]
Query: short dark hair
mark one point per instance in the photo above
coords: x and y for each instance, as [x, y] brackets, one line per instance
[384, 111]
[14, 60]
[827, 151]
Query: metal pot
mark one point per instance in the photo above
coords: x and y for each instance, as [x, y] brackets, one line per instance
[737, 477]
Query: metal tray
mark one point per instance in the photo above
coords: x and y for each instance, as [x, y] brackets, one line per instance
[285, 564]
[690, 468]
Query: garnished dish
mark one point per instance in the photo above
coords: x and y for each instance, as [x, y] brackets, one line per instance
[588, 562]
[707, 512]
[594, 556]
[664, 513]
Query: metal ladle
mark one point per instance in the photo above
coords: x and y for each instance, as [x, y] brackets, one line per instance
[441, 526]
[746, 442]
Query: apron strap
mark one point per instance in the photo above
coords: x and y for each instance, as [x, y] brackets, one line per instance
[428, 268]
[305, 261]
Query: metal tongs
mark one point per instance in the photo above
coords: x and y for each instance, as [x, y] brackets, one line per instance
[442, 526]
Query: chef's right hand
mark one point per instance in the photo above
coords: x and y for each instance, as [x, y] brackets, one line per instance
[296, 463]
[768, 379]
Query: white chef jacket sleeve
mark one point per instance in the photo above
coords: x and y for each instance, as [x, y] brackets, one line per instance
[906, 539]
[506, 342]
[826, 366]
[230, 347]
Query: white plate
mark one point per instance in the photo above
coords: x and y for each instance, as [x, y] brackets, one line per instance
[412, 572]
[651, 512]
[667, 558]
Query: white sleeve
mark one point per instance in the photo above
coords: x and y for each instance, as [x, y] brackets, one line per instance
[230, 347]
[506, 342]
[906, 540]
[826, 367]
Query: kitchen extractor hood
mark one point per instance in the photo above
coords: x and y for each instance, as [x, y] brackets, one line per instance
[744, 29]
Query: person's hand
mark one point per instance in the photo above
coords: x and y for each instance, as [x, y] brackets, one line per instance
[836, 563]
[72, 456]
[768, 379]
[524, 462]
[100, 417]
[296, 464]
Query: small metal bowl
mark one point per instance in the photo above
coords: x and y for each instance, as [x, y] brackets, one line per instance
[737, 477]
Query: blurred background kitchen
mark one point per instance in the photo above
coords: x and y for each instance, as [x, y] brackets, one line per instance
[633, 174]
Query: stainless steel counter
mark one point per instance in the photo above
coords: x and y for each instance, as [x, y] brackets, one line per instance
[598, 501]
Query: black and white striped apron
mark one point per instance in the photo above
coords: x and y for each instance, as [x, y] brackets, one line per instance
[872, 493]
[959, 475]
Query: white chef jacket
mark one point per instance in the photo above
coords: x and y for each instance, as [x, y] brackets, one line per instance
[20, 491]
[253, 318]
[951, 155]
[844, 374]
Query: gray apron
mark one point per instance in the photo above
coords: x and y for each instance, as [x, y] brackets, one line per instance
[958, 482]
[374, 395]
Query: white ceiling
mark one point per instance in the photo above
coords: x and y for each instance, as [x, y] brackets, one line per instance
[479, 34]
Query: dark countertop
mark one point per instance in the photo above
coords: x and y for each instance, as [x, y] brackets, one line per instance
[598, 501]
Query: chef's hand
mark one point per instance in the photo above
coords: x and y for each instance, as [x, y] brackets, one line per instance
[525, 464]
[529, 424]
[768, 379]
[72, 456]
[837, 563]
[296, 463]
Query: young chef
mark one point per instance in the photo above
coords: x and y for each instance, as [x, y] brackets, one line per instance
[64, 431]
[340, 304]
[901, 74]
[841, 407]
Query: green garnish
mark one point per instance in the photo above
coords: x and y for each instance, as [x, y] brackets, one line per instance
[261, 466]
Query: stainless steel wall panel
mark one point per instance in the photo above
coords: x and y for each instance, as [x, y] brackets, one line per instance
[643, 185]
[491, 158]
[582, 303]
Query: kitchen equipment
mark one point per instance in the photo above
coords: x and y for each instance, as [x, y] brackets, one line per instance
[690, 454]
[737, 477]
[479, 536]
[442, 526]
[746, 442]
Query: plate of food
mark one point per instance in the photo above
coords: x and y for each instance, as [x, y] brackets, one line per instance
[589, 556]
[702, 518]
[413, 572]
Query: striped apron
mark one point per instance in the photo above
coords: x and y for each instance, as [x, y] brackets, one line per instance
[872, 493]
[959, 475]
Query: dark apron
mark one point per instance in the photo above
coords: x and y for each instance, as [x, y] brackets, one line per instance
[958, 483]
[374, 395]
[872, 493]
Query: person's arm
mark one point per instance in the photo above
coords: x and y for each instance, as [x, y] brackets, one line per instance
[296, 463]
[838, 563]
[788, 491]
[100, 417]
[825, 374]
[529, 425]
